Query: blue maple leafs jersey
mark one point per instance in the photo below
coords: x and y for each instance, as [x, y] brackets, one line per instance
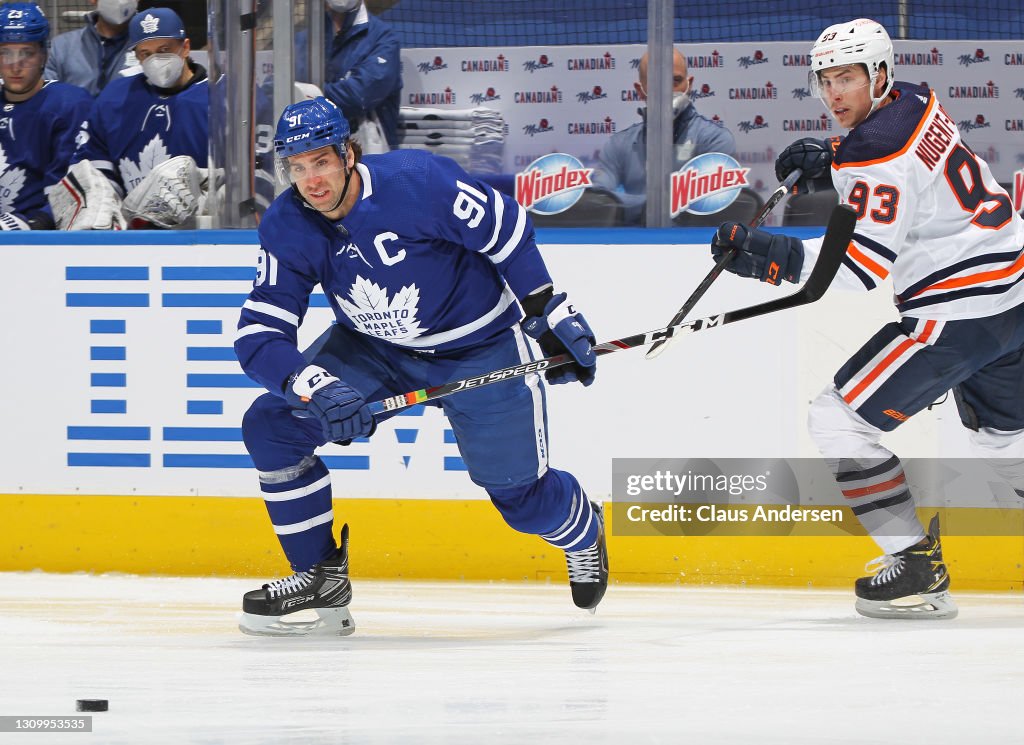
[134, 126]
[37, 140]
[429, 259]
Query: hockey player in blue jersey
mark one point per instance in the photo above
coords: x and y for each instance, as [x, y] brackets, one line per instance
[426, 270]
[145, 138]
[38, 120]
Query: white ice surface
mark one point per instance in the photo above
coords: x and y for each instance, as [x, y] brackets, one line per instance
[506, 663]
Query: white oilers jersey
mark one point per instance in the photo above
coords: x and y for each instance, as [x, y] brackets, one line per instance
[429, 259]
[37, 139]
[134, 126]
[929, 212]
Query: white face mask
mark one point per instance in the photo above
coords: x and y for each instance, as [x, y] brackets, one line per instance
[117, 12]
[163, 70]
[680, 103]
[343, 6]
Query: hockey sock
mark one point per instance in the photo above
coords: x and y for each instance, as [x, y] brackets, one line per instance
[298, 501]
[553, 507]
[579, 531]
[876, 491]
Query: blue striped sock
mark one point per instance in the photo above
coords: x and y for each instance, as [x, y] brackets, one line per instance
[298, 500]
[579, 531]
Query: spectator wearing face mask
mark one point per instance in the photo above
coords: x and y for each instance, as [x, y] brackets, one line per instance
[363, 75]
[622, 164]
[92, 56]
[138, 123]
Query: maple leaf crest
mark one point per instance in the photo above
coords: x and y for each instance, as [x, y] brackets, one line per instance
[153, 154]
[11, 182]
[374, 314]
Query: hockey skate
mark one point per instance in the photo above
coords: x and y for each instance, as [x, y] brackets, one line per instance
[912, 583]
[588, 569]
[325, 589]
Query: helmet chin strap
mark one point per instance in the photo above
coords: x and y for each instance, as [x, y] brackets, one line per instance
[344, 191]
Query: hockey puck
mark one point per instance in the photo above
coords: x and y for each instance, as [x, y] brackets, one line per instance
[91, 704]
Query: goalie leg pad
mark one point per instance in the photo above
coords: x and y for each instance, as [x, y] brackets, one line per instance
[85, 200]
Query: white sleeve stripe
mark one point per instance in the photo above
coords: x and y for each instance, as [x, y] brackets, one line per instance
[255, 328]
[102, 164]
[513, 242]
[499, 215]
[471, 190]
[273, 311]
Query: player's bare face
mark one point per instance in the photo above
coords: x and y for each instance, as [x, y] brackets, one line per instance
[846, 92]
[21, 67]
[319, 176]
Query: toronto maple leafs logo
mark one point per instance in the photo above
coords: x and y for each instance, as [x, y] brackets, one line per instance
[373, 314]
[153, 154]
[150, 24]
[11, 182]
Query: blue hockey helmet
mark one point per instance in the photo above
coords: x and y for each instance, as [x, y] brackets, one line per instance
[309, 125]
[23, 23]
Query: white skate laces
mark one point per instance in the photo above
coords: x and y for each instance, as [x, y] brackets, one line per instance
[884, 568]
[288, 585]
[585, 565]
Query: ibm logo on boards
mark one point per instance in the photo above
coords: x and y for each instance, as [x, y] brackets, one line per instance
[114, 303]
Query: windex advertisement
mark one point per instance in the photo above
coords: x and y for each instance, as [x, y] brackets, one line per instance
[570, 100]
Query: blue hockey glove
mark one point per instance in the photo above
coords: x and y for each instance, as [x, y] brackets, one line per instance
[558, 328]
[762, 255]
[814, 158]
[343, 413]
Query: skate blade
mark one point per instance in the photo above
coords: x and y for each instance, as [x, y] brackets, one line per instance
[936, 606]
[329, 622]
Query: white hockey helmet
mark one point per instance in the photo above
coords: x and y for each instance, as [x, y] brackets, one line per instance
[858, 42]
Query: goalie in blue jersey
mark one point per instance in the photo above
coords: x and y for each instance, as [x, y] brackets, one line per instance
[429, 273]
[142, 152]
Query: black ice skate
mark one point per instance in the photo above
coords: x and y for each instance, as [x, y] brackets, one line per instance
[324, 589]
[588, 569]
[912, 583]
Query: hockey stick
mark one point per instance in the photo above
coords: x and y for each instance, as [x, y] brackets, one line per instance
[776, 197]
[833, 250]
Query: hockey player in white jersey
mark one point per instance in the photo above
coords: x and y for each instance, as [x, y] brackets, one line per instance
[38, 120]
[146, 138]
[930, 213]
[429, 273]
